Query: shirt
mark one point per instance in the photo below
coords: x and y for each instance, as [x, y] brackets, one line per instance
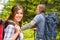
[9, 31]
[40, 22]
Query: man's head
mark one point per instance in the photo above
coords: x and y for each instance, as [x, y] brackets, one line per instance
[40, 8]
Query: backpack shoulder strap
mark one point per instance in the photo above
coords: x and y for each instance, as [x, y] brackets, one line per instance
[7, 23]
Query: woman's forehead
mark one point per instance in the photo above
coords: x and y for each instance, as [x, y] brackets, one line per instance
[21, 10]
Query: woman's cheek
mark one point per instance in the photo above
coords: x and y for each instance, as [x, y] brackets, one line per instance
[22, 16]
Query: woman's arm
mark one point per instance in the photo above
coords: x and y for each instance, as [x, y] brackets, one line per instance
[29, 25]
[17, 32]
[15, 36]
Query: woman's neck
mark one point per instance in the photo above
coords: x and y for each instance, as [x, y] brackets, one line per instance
[15, 22]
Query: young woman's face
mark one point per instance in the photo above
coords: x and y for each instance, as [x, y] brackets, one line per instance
[18, 15]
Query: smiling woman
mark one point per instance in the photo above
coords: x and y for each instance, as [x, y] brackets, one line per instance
[13, 32]
[17, 13]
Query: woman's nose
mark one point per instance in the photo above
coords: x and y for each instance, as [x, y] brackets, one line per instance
[20, 15]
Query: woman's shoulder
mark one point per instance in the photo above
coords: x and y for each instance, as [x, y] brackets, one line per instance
[10, 26]
[8, 23]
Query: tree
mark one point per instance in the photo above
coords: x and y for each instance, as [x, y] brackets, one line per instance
[29, 9]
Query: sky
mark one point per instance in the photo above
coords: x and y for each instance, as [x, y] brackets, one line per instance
[2, 4]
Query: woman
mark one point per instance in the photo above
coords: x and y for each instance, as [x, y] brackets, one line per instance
[13, 32]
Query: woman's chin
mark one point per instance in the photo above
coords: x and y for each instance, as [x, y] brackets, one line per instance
[18, 20]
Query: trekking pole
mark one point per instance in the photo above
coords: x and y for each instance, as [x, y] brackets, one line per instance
[35, 33]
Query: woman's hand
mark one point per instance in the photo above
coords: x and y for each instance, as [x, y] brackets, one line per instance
[17, 28]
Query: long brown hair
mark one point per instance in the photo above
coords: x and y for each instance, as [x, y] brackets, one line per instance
[14, 10]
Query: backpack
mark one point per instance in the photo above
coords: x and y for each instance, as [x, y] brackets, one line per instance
[1, 29]
[50, 24]
[3, 25]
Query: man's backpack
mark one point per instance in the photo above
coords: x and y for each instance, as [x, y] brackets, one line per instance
[51, 23]
[3, 25]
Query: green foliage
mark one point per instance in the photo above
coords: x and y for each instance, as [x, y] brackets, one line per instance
[29, 12]
[28, 33]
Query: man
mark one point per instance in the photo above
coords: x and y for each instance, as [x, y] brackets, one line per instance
[39, 20]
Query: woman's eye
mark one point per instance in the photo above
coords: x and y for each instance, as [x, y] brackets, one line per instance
[17, 13]
[21, 13]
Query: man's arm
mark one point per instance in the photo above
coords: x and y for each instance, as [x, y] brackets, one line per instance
[32, 23]
[29, 25]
